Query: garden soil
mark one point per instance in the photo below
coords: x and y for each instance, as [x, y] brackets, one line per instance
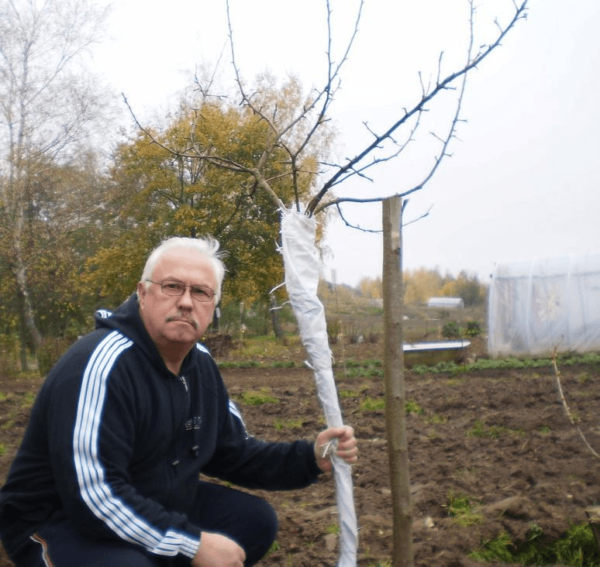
[500, 440]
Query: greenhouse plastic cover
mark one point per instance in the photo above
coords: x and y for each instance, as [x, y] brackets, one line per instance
[539, 305]
[301, 265]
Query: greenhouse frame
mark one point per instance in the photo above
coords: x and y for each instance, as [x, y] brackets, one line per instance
[545, 305]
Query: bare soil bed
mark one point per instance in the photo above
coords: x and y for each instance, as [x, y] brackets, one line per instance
[500, 439]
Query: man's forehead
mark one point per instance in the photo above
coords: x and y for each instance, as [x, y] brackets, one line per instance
[182, 260]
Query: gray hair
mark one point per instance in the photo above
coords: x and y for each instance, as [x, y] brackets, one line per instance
[208, 246]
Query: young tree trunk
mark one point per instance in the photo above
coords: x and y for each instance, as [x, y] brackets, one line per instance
[402, 552]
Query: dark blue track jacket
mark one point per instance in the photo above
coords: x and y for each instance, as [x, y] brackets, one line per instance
[116, 443]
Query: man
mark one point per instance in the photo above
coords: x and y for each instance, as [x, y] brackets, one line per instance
[108, 470]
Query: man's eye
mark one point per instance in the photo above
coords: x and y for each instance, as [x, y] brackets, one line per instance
[200, 292]
[172, 285]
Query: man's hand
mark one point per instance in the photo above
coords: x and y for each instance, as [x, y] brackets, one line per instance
[339, 441]
[217, 550]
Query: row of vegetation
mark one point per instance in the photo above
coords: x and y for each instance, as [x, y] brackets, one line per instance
[353, 368]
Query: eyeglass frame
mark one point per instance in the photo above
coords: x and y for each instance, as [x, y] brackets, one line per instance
[204, 288]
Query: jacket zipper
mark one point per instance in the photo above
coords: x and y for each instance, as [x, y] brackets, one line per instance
[175, 463]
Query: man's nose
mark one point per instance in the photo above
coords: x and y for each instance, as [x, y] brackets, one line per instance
[186, 298]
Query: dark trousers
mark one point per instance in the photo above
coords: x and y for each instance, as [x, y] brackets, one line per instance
[247, 519]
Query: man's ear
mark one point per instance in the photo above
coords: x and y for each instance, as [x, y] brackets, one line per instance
[141, 291]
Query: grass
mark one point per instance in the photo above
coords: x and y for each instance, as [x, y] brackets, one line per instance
[275, 546]
[462, 511]
[257, 397]
[347, 394]
[434, 419]
[288, 424]
[481, 430]
[372, 404]
[376, 404]
[577, 548]
[413, 407]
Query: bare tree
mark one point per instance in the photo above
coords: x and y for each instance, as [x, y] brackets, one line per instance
[48, 107]
[295, 133]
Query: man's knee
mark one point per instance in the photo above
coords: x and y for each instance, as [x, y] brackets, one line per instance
[62, 546]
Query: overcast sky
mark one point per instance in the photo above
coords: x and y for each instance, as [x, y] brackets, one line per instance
[524, 176]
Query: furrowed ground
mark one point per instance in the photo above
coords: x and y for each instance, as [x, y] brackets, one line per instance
[491, 452]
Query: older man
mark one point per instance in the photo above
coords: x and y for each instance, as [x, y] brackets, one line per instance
[108, 471]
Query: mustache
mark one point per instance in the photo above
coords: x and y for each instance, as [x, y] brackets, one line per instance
[180, 316]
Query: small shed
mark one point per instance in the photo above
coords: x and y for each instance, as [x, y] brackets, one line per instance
[446, 302]
[543, 304]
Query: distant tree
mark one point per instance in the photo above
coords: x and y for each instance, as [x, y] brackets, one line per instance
[160, 192]
[371, 287]
[421, 284]
[470, 289]
[48, 107]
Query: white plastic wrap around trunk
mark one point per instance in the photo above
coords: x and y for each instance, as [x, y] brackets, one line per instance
[301, 265]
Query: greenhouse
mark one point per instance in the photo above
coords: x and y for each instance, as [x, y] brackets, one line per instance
[545, 304]
[446, 302]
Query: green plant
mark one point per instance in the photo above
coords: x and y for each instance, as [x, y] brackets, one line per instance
[437, 419]
[498, 549]
[577, 548]
[451, 330]
[275, 546]
[461, 510]
[347, 394]
[372, 404]
[2, 449]
[472, 329]
[288, 424]
[258, 398]
[481, 430]
[583, 377]
[590, 359]
[413, 407]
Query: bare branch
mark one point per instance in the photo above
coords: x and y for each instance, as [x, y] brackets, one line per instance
[376, 231]
[566, 407]
[445, 84]
[214, 159]
[350, 225]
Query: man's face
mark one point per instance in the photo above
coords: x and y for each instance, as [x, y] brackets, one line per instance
[177, 321]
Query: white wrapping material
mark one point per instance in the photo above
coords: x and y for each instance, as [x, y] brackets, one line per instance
[301, 264]
[541, 304]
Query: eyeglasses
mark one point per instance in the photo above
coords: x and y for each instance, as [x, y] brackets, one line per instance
[199, 292]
